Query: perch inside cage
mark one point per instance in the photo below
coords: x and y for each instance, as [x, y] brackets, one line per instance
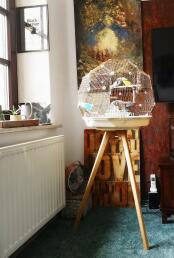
[116, 94]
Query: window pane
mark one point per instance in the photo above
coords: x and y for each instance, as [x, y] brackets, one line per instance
[3, 37]
[4, 93]
[3, 3]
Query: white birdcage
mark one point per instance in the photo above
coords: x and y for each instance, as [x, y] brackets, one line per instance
[116, 94]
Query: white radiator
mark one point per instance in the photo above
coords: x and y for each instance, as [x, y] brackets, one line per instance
[32, 189]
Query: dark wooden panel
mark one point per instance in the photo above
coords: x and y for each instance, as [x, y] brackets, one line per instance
[155, 14]
[155, 143]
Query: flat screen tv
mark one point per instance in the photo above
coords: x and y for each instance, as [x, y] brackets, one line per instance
[163, 64]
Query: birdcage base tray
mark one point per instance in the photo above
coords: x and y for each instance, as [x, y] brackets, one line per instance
[117, 123]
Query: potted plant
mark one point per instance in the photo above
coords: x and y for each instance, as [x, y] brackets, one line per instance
[15, 114]
[1, 115]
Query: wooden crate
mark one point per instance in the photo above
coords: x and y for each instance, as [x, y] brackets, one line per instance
[112, 186]
[113, 194]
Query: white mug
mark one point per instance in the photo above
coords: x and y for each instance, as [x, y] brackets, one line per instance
[26, 110]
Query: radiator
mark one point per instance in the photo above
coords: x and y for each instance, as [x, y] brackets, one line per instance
[32, 189]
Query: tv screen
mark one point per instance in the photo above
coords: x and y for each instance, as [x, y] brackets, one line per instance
[163, 64]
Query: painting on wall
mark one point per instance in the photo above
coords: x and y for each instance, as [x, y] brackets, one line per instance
[107, 29]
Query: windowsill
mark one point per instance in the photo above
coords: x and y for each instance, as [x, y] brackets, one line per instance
[29, 128]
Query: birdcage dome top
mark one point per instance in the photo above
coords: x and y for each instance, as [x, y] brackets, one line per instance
[116, 91]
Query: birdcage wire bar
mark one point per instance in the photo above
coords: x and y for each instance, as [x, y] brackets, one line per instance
[116, 89]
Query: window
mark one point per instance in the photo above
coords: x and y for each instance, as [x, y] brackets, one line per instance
[32, 28]
[8, 77]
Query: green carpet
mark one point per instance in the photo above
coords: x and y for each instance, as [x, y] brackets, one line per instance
[104, 233]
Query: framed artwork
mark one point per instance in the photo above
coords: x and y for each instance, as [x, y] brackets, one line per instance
[32, 28]
[107, 29]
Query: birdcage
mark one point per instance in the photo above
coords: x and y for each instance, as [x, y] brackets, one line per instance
[116, 94]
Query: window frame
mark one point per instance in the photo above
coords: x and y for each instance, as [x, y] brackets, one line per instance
[20, 48]
[11, 62]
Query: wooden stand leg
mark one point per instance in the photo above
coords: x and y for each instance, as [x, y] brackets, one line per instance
[85, 198]
[135, 191]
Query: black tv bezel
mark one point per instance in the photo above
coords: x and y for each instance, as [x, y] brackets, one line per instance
[156, 96]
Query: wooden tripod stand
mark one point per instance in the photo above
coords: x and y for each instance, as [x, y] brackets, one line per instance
[85, 198]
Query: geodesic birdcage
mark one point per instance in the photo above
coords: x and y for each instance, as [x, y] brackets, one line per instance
[115, 92]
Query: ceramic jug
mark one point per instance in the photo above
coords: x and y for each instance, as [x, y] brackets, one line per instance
[26, 110]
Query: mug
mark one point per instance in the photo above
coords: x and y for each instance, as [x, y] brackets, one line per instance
[26, 110]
